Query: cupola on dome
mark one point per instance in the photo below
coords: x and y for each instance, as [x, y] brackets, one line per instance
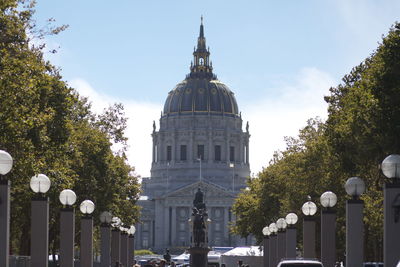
[201, 93]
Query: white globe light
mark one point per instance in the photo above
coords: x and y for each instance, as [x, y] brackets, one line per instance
[6, 162]
[106, 217]
[115, 222]
[266, 231]
[67, 197]
[87, 207]
[291, 218]
[328, 199]
[355, 186]
[391, 166]
[273, 228]
[40, 183]
[309, 208]
[281, 224]
[132, 230]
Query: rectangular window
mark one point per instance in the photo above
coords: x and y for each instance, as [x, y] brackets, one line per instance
[217, 151]
[232, 154]
[183, 152]
[200, 152]
[169, 153]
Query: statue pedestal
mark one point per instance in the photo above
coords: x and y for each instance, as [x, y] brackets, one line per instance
[198, 256]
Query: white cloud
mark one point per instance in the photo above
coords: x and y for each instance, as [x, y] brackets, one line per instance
[272, 119]
[140, 119]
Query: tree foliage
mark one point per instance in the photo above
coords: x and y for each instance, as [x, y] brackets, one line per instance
[48, 128]
[362, 128]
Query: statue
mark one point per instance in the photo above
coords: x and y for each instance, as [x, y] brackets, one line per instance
[247, 127]
[154, 126]
[199, 227]
[198, 201]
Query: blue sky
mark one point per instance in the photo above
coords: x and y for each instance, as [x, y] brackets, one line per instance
[279, 57]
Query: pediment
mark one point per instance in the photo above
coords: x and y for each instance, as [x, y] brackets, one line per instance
[210, 191]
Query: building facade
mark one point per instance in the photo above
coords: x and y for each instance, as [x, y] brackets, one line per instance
[200, 143]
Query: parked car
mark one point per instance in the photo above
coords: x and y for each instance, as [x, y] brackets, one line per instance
[300, 263]
[373, 264]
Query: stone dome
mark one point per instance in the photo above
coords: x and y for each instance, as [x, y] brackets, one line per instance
[200, 97]
[201, 93]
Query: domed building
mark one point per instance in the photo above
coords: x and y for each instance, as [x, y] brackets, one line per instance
[199, 144]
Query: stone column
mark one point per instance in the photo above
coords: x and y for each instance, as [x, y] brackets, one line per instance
[354, 232]
[291, 241]
[266, 252]
[272, 250]
[281, 246]
[105, 250]
[40, 232]
[131, 250]
[173, 224]
[226, 224]
[86, 241]
[166, 225]
[328, 237]
[115, 246]
[124, 249]
[4, 221]
[67, 237]
[391, 230]
[309, 237]
[210, 146]
[190, 152]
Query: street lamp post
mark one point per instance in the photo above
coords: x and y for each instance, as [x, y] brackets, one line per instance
[6, 163]
[272, 245]
[200, 176]
[391, 202]
[105, 236]
[291, 235]
[40, 221]
[328, 228]
[355, 187]
[115, 241]
[309, 209]
[124, 246]
[67, 228]
[131, 245]
[87, 208]
[266, 234]
[281, 246]
[232, 165]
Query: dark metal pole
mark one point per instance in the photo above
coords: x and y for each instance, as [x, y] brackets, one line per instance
[105, 250]
[131, 250]
[40, 231]
[67, 237]
[266, 251]
[309, 237]
[115, 246]
[354, 232]
[124, 248]
[4, 221]
[328, 237]
[281, 246]
[291, 241]
[272, 250]
[391, 230]
[87, 241]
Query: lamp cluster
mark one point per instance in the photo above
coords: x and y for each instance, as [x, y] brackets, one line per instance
[41, 184]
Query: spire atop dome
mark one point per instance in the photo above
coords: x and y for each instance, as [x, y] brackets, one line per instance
[201, 28]
[201, 64]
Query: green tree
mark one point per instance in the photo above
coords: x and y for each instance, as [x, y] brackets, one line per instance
[48, 128]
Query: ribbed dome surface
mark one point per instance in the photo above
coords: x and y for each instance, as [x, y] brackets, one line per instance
[201, 97]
